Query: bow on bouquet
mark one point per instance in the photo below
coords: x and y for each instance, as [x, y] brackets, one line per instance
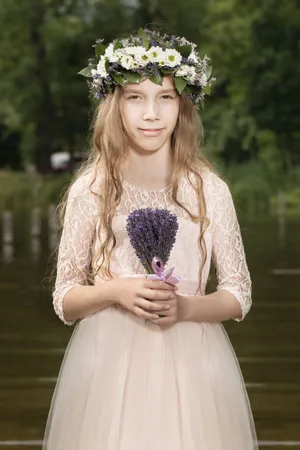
[152, 234]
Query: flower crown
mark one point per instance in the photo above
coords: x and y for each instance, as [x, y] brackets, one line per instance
[149, 55]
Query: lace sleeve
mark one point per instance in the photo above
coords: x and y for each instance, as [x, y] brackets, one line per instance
[75, 248]
[227, 249]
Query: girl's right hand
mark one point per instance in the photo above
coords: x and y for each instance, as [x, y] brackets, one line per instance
[137, 294]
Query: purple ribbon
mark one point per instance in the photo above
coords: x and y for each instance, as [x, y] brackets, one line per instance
[161, 273]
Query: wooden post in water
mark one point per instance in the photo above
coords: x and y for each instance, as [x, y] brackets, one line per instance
[281, 219]
[36, 222]
[52, 227]
[35, 231]
[7, 236]
[7, 228]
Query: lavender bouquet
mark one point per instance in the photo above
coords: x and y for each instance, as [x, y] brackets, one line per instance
[152, 234]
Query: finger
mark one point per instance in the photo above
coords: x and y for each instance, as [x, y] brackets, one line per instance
[158, 295]
[164, 321]
[160, 284]
[144, 314]
[164, 308]
[151, 306]
[163, 313]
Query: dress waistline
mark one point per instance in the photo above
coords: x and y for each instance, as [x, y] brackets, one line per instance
[188, 287]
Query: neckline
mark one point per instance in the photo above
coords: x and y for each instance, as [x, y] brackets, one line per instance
[139, 188]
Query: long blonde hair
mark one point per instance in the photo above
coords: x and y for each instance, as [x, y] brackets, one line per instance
[109, 150]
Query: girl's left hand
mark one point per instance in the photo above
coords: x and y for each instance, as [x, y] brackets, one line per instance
[174, 314]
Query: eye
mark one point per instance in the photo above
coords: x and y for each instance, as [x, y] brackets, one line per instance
[134, 97]
[167, 97]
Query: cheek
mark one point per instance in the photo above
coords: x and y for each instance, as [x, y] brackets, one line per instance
[172, 115]
[129, 118]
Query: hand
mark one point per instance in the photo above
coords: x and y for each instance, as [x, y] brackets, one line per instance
[174, 312]
[145, 298]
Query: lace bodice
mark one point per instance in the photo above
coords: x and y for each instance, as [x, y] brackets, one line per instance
[223, 238]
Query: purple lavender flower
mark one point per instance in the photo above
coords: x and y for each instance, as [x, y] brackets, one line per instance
[152, 232]
[153, 69]
[115, 67]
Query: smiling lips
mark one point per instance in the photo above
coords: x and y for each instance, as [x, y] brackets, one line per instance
[151, 131]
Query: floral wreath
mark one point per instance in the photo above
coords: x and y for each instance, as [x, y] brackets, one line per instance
[149, 55]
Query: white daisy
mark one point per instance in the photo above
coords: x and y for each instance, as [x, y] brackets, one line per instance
[172, 57]
[139, 55]
[142, 59]
[114, 56]
[101, 70]
[182, 71]
[135, 51]
[119, 53]
[127, 62]
[109, 51]
[187, 72]
[156, 54]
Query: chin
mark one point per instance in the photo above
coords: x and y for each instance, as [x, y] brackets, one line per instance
[149, 145]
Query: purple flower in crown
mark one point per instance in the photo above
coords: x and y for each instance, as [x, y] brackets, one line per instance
[132, 59]
[152, 234]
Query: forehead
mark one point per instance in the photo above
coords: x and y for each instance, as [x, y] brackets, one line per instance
[148, 86]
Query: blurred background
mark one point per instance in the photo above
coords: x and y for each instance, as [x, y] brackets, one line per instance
[252, 127]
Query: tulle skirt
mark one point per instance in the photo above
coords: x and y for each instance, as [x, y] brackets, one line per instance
[127, 385]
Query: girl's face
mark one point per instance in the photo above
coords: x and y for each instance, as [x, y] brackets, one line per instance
[149, 113]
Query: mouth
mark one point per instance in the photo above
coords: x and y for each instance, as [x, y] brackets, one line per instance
[151, 131]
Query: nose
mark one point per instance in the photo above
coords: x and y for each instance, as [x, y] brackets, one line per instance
[151, 111]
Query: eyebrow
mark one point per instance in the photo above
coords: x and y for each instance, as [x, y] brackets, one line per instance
[136, 91]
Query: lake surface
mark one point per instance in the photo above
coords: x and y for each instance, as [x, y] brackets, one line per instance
[267, 343]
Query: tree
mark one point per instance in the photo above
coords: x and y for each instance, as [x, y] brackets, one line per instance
[42, 47]
[253, 47]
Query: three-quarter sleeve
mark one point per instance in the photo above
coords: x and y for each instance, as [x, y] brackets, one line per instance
[75, 248]
[228, 250]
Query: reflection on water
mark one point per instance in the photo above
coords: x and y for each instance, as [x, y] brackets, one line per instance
[267, 343]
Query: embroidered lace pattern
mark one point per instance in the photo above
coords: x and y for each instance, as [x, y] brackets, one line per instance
[223, 238]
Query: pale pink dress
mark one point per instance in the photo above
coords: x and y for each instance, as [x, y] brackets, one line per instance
[126, 385]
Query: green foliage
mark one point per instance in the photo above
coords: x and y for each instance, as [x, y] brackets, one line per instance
[22, 191]
[16, 191]
[250, 189]
[253, 195]
[42, 48]
[52, 188]
[252, 119]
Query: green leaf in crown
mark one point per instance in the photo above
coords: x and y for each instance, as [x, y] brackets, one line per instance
[208, 71]
[157, 79]
[144, 37]
[118, 78]
[180, 84]
[87, 71]
[99, 49]
[184, 50]
[149, 54]
[131, 77]
[118, 45]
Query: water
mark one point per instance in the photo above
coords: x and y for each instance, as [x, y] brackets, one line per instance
[267, 343]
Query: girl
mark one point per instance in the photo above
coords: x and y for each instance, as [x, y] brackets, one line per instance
[171, 383]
